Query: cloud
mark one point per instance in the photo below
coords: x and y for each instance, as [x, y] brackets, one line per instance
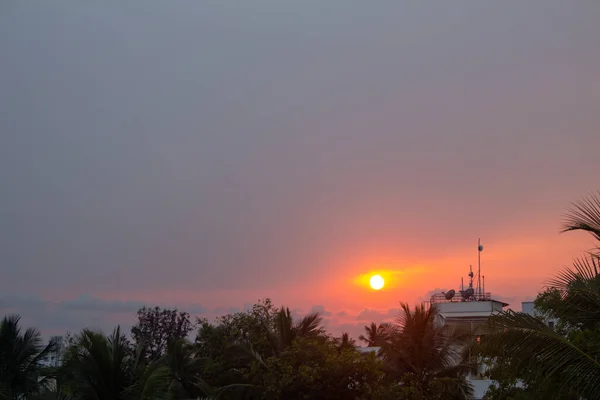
[393, 312]
[342, 314]
[90, 303]
[430, 293]
[87, 311]
[371, 315]
[321, 310]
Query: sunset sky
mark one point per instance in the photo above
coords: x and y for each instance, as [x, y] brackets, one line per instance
[207, 154]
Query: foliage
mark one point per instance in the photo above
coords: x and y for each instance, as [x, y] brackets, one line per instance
[187, 370]
[584, 215]
[285, 331]
[314, 368]
[235, 341]
[374, 335]
[526, 383]
[106, 368]
[157, 327]
[563, 361]
[345, 342]
[21, 354]
[431, 356]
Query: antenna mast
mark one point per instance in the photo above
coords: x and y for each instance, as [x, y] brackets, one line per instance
[479, 250]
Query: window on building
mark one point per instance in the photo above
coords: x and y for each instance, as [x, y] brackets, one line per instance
[551, 324]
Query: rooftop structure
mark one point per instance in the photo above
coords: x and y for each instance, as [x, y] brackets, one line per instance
[470, 307]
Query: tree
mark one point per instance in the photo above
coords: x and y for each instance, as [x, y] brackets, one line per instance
[187, 370]
[285, 331]
[374, 335]
[234, 342]
[99, 367]
[511, 383]
[21, 354]
[428, 356]
[566, 358]
[157, 327]
[345, 342]
[314, 368]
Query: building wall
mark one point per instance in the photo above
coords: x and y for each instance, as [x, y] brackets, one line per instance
[466, 307]
[54, 358]
[474, 316]
[528, 307]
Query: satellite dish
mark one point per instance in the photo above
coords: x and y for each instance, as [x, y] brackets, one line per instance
[450, 294]
[468, 293]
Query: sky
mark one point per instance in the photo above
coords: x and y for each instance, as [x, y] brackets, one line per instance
[205, 155]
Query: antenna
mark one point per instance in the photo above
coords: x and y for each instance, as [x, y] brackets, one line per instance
[483, 277]
[470, 276]
[479, 250]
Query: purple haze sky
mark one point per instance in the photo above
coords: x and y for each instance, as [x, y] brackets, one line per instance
[205, 154]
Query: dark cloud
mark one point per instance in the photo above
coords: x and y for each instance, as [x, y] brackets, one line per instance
[321, 310]
[342, 314]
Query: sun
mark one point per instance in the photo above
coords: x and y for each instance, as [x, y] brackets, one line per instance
[377, 282]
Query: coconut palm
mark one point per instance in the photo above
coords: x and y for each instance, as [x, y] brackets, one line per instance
[186, 370]
[584, 215]
[21, 354]
[374, 335]
[561, 356]
[103, 367]
[285, 330]
[431, 355]
[531, 345]
[345, 342]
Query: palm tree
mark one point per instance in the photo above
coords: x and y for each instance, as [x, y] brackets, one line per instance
[374, 335]
[345, 342]
[531, 345]
[186, 370]
[103, 367]
[285, 331]
[433, 356]
[561, 357]
[21, 354]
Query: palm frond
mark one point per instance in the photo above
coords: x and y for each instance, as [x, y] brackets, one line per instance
[584, 271]
[579, 291]
[245, 351]
[584, 215]
[527, 339]
[153, 384]
[310, 325]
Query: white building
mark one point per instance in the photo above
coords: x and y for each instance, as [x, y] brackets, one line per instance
[469, 309]
[528, 307]
[54, 358]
